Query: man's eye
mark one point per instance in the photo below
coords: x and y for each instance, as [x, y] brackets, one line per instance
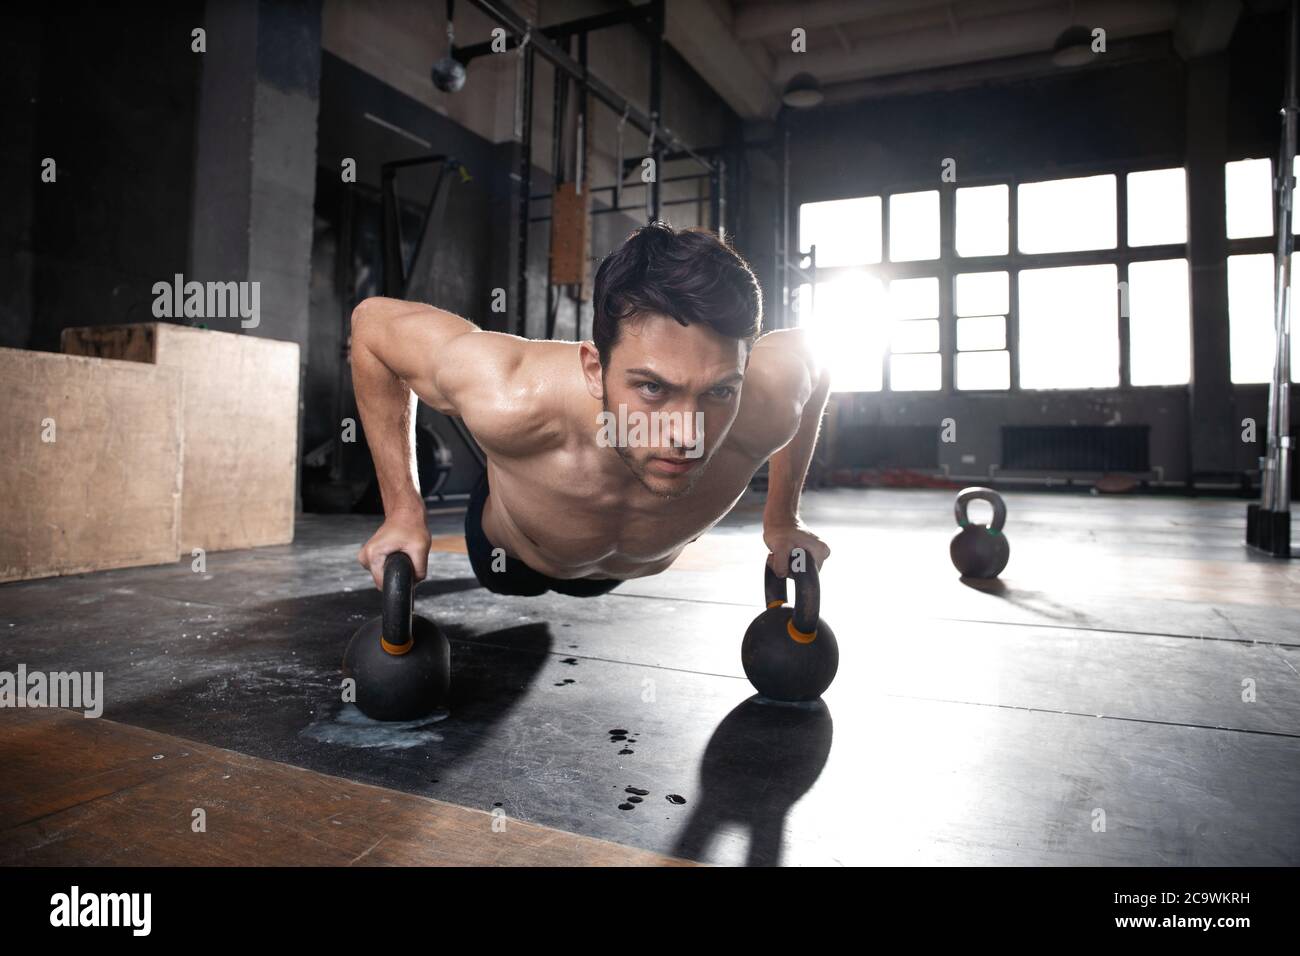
[723, 392]
[650, 388]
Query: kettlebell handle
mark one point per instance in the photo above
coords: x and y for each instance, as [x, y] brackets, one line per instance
[807, 593]
[399, 601]
[968, 495]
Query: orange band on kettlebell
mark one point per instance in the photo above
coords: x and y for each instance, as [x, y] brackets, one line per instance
[397, 650]
[772, 604]
[799, 635]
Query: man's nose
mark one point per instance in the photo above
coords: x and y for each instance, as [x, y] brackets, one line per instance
[685, 430]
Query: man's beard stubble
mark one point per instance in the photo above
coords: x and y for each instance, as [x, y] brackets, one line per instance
[639, 472]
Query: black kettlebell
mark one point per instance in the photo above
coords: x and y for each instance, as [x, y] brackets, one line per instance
[790, 654]
[401, 663]
[977, 550]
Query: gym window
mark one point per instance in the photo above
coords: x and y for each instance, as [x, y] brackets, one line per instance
[915, 364]
[1068, 327]
[846, 318]
[914, 226]
[1157, 207]
[1160, 343]
[1037, 285]
[1248, 188]
[1250, 319]
[981, 302]
[1067, 215]
[845, 311]
[846, 232]
[982, 220]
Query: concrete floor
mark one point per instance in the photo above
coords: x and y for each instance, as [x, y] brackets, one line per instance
[1087, 710]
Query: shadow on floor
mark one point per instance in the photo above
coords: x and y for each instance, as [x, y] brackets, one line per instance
[276, 692]
[1034, 601]
[760, 761]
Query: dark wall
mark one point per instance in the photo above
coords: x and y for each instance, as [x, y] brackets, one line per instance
[1035, 129]
[114, 101]
[19, 170]
[464, 259]
[1256, 62]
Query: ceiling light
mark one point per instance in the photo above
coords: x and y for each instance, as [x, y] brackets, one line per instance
[802, 92]
[1073, 47]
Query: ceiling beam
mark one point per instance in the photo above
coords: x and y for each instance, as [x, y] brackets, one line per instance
[702, 34]
[987, 38]
[965, 75]
[1205, 26]
[760, 20]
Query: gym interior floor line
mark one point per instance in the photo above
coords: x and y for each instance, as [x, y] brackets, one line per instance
[1035, 624]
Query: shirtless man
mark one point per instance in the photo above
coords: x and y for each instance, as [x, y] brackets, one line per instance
[677, 315]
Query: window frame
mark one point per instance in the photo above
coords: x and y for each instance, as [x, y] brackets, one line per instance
[949, 264]
[1255, 245]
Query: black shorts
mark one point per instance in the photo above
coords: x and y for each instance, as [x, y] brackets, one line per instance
[517, 578]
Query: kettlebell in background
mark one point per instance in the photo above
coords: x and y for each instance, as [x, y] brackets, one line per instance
[789, 653]
[977, 550]
[401, 663]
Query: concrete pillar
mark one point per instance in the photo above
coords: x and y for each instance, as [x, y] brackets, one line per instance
[1214, 432]
[255, 158]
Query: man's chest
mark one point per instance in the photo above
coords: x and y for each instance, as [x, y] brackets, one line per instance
[578, 522]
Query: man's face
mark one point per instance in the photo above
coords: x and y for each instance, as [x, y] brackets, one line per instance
[682, 383]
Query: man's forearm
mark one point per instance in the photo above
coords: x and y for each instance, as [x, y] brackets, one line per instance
[788, 468]
[387, 408]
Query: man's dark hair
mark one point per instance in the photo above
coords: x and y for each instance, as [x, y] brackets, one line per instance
[689, 275]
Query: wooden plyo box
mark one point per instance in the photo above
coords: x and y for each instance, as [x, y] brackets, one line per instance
[106, 491]
[240, 420]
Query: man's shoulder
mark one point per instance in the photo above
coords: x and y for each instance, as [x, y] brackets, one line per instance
[499, 364]
[780, 373]
[521, 390]
[784, 362]
[777, 385]
[482, 353]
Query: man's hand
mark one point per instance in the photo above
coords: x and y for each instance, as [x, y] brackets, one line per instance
[784, 538]
[403, 531]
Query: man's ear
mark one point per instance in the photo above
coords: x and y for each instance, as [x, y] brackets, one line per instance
[592, 371]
